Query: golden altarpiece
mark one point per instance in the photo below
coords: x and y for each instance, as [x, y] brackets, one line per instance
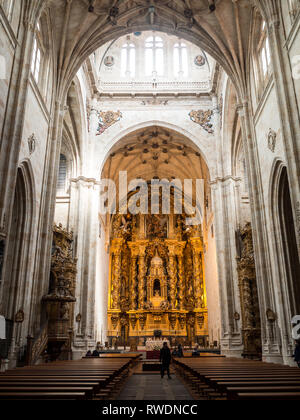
[156, 280]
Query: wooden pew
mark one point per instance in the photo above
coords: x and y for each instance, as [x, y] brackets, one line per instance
[269, 396]
[82, 379]
[240, 379]
[42, 396]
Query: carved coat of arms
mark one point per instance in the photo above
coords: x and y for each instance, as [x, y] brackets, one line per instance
[109, 61]
[106, 120]
[200, 60]
[203, 118]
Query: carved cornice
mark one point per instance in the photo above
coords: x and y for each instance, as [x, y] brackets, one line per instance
[83, 180]
[225, 179]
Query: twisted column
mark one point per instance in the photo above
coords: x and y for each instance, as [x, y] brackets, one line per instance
[142, 272]
[133, 276]
[181, 282]
[116, 273]
[172, 272]
[198, 272]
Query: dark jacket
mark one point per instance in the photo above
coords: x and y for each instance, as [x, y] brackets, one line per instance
[297, 353]
[179, 352]
[165, 356]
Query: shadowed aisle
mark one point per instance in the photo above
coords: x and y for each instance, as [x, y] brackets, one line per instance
[152, 387]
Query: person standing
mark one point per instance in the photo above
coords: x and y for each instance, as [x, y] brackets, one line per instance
[297, 353]
[165, 359]
[179, 351]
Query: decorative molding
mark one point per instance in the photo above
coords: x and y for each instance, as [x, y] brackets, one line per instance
[32, 141]
[200, 60]
[200, 318]
[109, 61]
[251, 323]
[142, 319]
[60, 299]
[237, 316]
[133, 320]
[19, 317]
[271, 316]
[114, 320]
[154, 101]
[172, 320]
[166, 86]
[272, 137]
[226, 178]
[106, 120]
[203, 118]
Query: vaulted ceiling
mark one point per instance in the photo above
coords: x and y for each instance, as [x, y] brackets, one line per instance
[220, 27]
[155, 152]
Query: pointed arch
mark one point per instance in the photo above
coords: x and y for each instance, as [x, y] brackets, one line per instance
[284, 243]
[17, 279]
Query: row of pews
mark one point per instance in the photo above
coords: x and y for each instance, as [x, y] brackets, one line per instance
[89, 378]
[239, 379]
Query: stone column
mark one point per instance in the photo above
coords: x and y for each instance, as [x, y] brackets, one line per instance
[265, 283]
[287, 103]
[223, 199]
[281, 47]
[83, 221]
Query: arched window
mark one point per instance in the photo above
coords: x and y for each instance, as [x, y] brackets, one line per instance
[180, 57]
[62, 174]
[264, 54]
[154, 62]
[128, 60]
[37, 55]
[261, 57]
[36, 61]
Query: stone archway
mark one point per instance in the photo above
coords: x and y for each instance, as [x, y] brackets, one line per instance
[289, 242]
[18, 261]
[153, 152]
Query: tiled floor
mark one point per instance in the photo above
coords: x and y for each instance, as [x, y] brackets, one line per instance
[152, 387]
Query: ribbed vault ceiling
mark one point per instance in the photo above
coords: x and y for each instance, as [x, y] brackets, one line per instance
[82, 26]
[156, 152]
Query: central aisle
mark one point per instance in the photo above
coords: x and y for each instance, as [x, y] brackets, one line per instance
[152, 387]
